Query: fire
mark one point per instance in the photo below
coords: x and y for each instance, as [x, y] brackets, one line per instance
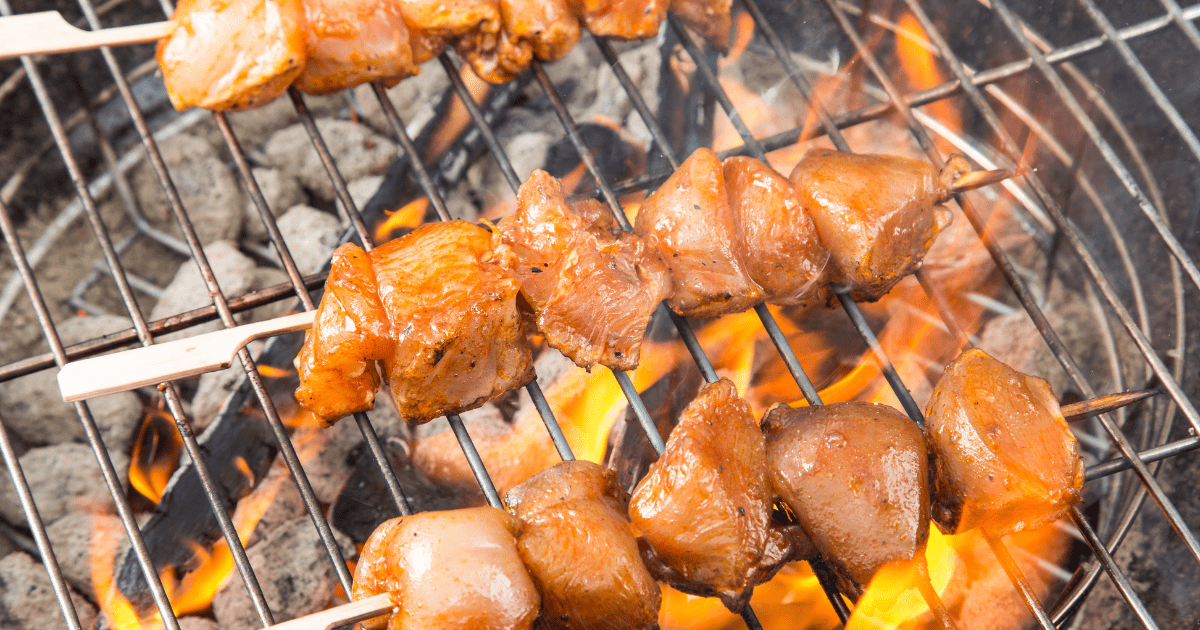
[917, 59]
[270, 371]
[155, 454]
[408, 216]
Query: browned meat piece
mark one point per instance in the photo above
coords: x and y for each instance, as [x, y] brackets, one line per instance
[232, 54]
[709, 18]
[705, 507]
[855, 475]
[549, 26]
[877, 214]
[592, 287]
[350, 333]
[455, 570]
[577, 547]
[434, 24]
[777, 239]
[623, 19]
[352, 42]
[452, 304]
[691, 223]
[1003, 457]
[496, 57]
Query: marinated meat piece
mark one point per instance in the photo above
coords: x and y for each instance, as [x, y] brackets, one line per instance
[705, 508]
[496, 57]
[452, 304]
[434, 24]
[352, 42]
[690, 221]
[577, 547]
[350, 333]
[232, 54]
[549, 26]
[855, 475]
[592, 288]
[777, 239]
[1003, 457]
[709, 18]
[623, 19]
[877, 214]
[448, 570]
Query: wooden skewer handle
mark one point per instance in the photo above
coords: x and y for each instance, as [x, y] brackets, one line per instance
[151, 365]
[47, 32]
[342, 615]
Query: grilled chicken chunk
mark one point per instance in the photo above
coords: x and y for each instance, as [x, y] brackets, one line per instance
[352, 42]
[877, 214]
[709, 18]
[549, 26]
[623, 19]
[592, 287]
[232, 54]
[577, 547]
[690, 221]
[350, 333]
[705, 508]
[434, 24]
[781, 250]
[855, 475]
[1003, 457]
[448, 570]
[452, 303]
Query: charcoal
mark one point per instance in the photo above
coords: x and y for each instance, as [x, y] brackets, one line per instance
[357, 151]
[311, 236]
[417, 100]
[300, 580]
[284, 502]
[196, 623]
[79, 536]
[329, 465]
[281, 192]
[211, 392]
[235, 275]
[253, 127]
[27, 599]
[209, 192]
[61, 477]
[35, 412]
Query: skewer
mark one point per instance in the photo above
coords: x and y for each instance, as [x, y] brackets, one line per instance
[1087, 408]
[340, 615]
[47, 32]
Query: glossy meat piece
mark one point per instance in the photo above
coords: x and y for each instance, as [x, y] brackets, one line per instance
[622, 19]
[434, 24]
[550, 27]
[232, 54]
[352, 42]
[592, 288]
[496, 57]
[709, 18]
[877, 214]
[448, 571]
[350, 333]
[452, 304]
[855, 474]
[1003, 457]
[691, 223]
[777, 239]
[705, 508]
[577, 547]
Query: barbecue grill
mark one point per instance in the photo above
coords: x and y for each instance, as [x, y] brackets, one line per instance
[1048, 64]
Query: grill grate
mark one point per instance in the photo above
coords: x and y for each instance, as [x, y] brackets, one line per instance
[1045, 61]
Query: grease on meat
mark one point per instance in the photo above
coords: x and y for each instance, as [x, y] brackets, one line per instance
[549, 26]
[690, 221]
[704, 508]
[592, 288]
[778, 241]
[855, 474]
[877, 214]
[350, 334]
[232, 54]
[452, 303]
[352, 42]
[454, 570]
[578, 548]
[1003, 457]
[624, 19]
[709, 18]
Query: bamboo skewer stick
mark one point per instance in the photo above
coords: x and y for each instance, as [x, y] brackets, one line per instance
[1087, 408]
[48, 32]
[341, 615]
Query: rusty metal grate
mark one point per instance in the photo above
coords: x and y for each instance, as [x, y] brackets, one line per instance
[1042, 61]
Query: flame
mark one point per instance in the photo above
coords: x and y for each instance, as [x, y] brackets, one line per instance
[270, 371]
[917, 58]
[408, 216]
[893, 597]
[155, 454]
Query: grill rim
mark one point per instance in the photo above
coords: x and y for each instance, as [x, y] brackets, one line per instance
[222, 310]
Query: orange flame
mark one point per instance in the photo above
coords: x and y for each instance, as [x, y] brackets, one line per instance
[408, 216]
[270, 371]
[155, 454]
[917, 58]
